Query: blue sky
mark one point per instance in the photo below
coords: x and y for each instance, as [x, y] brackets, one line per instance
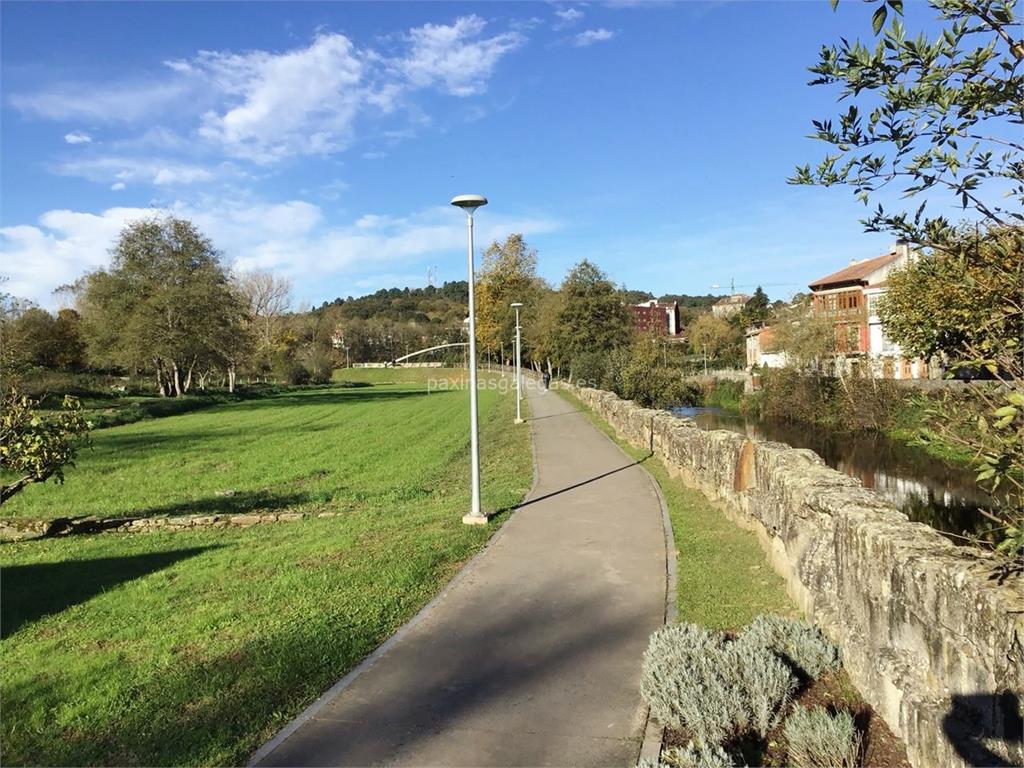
[324, 140]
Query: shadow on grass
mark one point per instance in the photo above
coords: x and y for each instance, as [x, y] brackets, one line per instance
[341, 397]
[239, 503]
[30, 592]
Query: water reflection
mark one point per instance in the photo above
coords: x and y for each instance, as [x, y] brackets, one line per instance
[923, 487]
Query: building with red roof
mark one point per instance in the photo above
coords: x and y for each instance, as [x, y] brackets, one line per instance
[851, 297]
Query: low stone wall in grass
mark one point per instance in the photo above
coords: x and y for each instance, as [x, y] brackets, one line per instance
[19, 529]
[932, 635]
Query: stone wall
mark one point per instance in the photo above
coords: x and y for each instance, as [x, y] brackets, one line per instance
[931, 636]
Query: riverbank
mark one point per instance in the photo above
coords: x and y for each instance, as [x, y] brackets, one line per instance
[859, 406]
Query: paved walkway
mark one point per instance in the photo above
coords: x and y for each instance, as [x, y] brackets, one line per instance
[532, 657]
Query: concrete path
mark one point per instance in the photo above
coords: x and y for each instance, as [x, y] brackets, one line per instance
[532, 656]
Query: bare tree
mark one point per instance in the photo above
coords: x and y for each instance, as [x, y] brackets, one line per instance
[269, 297]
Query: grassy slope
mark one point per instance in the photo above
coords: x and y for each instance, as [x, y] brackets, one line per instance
[723, 579]
[194, 647]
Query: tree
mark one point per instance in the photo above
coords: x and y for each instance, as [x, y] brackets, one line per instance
[962, 304]
[508, 274]
[267, 299]
[942, 118]
[34, 448]
[541, 330]
[808, 338]
[713, 337]
[757, 310]
[41, 340]
[642, 376]
[164, 304]
[591, 317]
[968, 305]
[935, 116]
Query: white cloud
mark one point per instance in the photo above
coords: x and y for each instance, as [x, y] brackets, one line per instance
[453, 55]
[157, 171]
[301, 102]
[263, 106]
[567, 17]
[591, 36]
[181, 175]
[77, 137]
[117, 186]
[332, 190]
[525, 25]
[64, 245]
[106, 103]
[290, 237]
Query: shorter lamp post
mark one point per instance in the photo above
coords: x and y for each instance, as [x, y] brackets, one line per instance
[519, 353]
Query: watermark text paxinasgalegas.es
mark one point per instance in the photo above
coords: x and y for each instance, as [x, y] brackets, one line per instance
[503, 385]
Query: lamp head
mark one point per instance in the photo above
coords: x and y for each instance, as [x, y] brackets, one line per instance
[516, 304]
[469, 203]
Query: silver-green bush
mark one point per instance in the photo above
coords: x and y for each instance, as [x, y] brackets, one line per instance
[696, 756]
[799, 643]
[716, 689]
[817, 739]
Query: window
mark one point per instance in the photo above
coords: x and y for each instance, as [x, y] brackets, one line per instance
[873, 303]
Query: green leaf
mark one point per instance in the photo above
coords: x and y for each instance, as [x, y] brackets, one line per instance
[878, 19]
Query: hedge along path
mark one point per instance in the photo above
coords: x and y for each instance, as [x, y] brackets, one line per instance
[532, 656]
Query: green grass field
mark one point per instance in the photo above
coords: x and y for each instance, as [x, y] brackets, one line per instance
[194, 647]
[306, 448]
[723, 580]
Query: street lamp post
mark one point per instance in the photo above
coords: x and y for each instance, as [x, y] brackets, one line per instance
[469, 203]
[519, 357]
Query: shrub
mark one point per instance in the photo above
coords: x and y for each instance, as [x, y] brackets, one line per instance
[817, 739]
[717, 689]
[765, 683]
[588, 368]
[696, 756]
[292, 372]
[799, 643]
[723, 394]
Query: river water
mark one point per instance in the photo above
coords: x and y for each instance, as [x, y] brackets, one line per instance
[925, 488]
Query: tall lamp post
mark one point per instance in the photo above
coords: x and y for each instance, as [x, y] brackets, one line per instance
[519, 357]
[469, 203]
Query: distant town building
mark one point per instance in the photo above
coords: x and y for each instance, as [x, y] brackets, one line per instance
[761, 349]
[657, 317]
[850, 297]
[729, 305]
